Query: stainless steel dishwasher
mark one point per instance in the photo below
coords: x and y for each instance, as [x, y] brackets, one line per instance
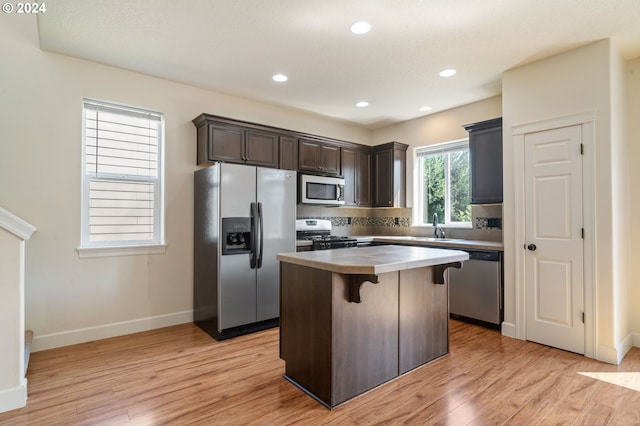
[475, 290]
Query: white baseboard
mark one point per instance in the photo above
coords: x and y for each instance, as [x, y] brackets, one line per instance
[608, 354]
[509, 329]
[89, 334]
[623, 347]
[13, 398]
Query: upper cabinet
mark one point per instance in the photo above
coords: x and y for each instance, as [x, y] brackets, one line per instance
[356, 170]
[485, 152]
[288, 153]
[374, 176]
[389, 169]
[319, 157]
[224, 141]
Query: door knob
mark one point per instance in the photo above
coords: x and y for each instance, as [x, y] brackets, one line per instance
[532, 247]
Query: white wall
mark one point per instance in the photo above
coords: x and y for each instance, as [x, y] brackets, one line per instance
[574, 82]
[13, 390]
[69, 300]
[620, 193]
[633, 115]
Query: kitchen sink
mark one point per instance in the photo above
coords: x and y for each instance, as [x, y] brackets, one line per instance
[429, 239]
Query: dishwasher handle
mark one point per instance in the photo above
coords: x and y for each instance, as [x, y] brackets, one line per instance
[490, 256]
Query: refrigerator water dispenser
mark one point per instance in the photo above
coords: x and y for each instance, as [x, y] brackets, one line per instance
[236, 234]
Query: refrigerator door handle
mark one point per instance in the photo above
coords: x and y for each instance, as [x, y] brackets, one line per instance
[253, 256]
[260, 235]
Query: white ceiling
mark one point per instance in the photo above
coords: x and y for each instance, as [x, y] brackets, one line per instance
[235, 46]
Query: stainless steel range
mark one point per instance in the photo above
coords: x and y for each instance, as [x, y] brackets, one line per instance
[318, 231]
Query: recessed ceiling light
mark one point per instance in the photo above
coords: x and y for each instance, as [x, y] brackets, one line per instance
[425, 108]
[362, 104]
[361, 27]
[280, 78]
[447, 73]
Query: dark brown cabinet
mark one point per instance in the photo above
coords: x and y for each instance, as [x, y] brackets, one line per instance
[485, 156]
[261, 149]
[288, 153]
[335, 349]
[389, 168]
[374, 176]
[319, 157]
[424, 323]
[356, 170]
[223, 142]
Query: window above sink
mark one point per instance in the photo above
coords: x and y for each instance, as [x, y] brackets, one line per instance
[442, 185]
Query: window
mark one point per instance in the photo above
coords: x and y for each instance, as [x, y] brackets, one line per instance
[442, 184]
[122, 177]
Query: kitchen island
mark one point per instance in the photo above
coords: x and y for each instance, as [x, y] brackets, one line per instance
[353, 319]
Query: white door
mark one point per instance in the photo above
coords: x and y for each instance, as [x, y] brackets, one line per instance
[553, 238]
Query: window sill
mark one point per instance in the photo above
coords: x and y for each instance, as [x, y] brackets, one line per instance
[89, 252]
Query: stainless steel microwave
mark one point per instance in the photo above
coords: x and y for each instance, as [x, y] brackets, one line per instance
[323, 190]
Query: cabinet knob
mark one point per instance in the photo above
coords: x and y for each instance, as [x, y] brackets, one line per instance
[532, 247]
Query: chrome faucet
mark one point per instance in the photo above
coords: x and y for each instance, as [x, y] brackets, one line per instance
[435, 227]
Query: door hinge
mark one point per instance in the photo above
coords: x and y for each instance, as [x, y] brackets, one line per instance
[582, 232]
[583, 317]
[581, 149]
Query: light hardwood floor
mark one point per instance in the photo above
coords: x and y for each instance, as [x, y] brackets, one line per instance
[179, 375]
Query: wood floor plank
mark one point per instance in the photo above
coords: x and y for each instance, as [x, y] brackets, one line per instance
[181, 376]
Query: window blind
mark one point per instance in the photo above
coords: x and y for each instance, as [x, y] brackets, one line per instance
[121, 170]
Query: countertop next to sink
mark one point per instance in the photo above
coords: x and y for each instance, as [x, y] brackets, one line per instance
[433, 242]
[425, 241]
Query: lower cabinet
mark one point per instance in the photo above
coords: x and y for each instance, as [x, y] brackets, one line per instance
[424, 319]
[335, 349]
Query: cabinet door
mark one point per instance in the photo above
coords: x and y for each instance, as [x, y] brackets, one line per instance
[225, 143]
[356, 170]
[288, 153]
[350, 176]
[485, 152]
[383, 164]
[318, 157]
[330, 159]
[261, 149]
[363, 178]
[308, 155]
[424, 318]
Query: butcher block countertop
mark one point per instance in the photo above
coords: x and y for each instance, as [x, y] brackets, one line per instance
[374, 259]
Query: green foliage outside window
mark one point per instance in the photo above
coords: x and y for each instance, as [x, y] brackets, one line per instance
[437, 187]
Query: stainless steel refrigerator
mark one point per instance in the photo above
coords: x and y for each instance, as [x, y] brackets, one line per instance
[243, 217]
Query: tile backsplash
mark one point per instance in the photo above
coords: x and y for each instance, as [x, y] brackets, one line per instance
[487, 221]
